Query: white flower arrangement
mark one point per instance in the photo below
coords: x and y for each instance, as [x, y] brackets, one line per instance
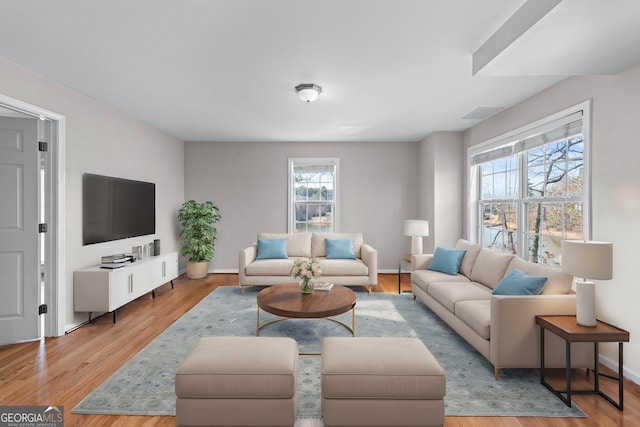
[307, 269]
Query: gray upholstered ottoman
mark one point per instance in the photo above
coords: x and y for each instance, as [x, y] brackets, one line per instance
[238, 381]
[387, 381]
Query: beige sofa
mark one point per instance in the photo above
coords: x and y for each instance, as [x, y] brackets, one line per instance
[361, 271]
[501, 327]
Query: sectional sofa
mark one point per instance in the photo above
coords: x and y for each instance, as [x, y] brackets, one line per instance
[501, 327]
[358, 267]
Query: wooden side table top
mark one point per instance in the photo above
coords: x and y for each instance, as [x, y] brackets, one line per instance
[286, 300]
[568, 329]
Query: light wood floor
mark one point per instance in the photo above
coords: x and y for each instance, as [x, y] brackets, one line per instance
[63, 370]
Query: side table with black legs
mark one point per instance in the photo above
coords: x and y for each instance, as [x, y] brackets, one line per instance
[568, 329]
[405, 261]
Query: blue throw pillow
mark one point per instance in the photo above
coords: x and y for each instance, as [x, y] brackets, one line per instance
[518, 283]
[272, 248]
[340, 249]
[447, 260]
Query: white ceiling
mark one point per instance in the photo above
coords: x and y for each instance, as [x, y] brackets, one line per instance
[391, 70]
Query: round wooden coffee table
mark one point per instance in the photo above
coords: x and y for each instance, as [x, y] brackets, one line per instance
[288, 302]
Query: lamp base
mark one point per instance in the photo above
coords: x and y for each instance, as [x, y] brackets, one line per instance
[416, 245]
[586, 303]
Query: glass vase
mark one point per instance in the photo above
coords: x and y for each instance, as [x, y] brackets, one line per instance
[306, 286]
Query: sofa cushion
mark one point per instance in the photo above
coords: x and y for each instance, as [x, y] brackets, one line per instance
[476, 315]
[298, 244]
[450, 293]
[380, 368]
[340, 249]
[319, 247]
[343, 267]
[490, 267]
[272, 248]
[558, 282]
[422, 278]
[239, 368]
[473, 249]
[446, 260]
[518, 283]
[270, 267]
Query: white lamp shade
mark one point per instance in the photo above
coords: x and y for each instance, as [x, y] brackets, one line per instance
[588, 259]
[416, 227]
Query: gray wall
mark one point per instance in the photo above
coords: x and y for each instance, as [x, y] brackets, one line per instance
[103, 141]
[248, 182]
[615, 185]
[441, 184]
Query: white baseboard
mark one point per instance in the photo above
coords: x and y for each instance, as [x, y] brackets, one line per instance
[215, 270]
[613, 365]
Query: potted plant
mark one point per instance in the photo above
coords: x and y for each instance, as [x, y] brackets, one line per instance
[199, 235]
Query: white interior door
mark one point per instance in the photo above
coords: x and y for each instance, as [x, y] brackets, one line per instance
[19, 258]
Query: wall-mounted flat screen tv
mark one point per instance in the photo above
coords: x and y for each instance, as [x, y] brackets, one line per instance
[116, 208]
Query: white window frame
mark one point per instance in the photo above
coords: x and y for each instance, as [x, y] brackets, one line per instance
[509, 139]
[292, 161]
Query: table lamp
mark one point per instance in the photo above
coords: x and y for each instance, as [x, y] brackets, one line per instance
[416, 228]
[589, 260]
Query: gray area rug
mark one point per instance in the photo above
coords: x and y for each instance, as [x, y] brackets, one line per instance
[145, 385]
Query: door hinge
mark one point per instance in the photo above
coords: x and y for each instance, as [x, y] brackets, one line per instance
[42, 228]
[42, 309]
[43, 146]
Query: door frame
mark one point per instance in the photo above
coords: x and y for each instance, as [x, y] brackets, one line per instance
[54, 290]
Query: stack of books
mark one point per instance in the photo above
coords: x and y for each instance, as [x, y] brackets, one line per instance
[116, 261]
[322, 286]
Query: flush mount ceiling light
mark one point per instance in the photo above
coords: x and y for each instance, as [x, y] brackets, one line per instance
[308, 92]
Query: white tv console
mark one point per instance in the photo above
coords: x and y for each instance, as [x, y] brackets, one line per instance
[97, 289]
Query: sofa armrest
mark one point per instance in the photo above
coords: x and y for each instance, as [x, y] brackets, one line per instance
[420, 261]
[246, 257]
[370, 257]
[515, 337]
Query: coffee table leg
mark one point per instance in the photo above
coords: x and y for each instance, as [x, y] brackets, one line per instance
[353, 321]
[258, 322]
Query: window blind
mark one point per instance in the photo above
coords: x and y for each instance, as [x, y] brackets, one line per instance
[563, 127]
[313, 168]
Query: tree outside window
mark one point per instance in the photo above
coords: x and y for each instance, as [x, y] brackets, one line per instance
[499, 184]
[551, 208]
[554, 203]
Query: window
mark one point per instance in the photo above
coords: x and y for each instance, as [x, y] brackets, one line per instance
[530, 188]
[313, 188]
[554, 197]
[498, 203]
